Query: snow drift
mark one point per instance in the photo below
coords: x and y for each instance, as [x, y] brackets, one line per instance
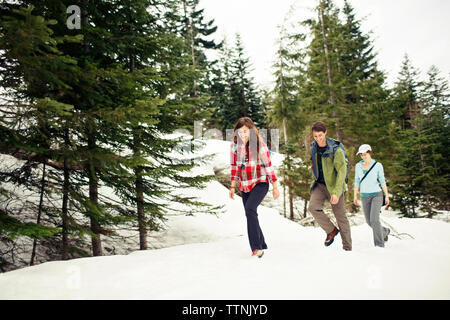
[208, 257]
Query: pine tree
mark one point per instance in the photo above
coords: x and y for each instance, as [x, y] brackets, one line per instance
[196, 33]
[435, 109]
[242, 97]
[285, 109]
[243, 88]
[84, 92]
[186, 20]
[150, 111]
[111, 100]
[406, 94]
[323, 77]
[364, 95]
[342, 85]
[343, 81]
[224, 115]
[35, 70]
[421, 179]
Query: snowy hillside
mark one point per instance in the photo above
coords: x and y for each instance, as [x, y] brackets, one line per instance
[208, 257]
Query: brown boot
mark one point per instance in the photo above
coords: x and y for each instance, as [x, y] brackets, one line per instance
[330, 237]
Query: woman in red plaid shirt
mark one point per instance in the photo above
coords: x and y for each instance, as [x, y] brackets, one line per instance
[251, 166]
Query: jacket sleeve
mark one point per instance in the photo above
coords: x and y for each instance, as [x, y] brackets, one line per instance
[357, 175]
[233, 157]
[264, 156]
[381, 178]
[341, 169]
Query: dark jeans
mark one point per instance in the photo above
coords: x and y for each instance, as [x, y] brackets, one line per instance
[251, 202]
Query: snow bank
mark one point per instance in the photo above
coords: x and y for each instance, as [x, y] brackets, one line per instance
[208, 257]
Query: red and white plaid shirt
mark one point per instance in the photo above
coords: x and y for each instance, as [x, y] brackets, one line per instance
[247, 169]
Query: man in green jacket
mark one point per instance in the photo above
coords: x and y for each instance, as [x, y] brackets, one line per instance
[329, 168]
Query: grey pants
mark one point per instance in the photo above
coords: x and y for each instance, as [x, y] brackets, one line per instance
[372, 207]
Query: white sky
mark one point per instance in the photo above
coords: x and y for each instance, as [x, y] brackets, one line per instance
[416, 27]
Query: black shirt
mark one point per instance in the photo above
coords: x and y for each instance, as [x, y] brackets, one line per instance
[320, 152]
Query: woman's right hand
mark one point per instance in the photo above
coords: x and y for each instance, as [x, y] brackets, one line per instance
[232, 193]
[355, 201]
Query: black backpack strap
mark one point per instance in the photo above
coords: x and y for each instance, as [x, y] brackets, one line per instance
[367, 172]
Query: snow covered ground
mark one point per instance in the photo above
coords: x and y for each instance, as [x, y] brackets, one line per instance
[208, 257]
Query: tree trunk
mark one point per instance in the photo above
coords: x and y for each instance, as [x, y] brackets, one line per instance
[422, 161]
[93, 183]
[65, 214]
[93, 197]
[284, 175]
[41, 201]
[284, 132]
[284, 198]
[189, 28]
[140, 210]
[291, 205]
[305, 208]
[291, 198]
[329, 74]
[139, 185]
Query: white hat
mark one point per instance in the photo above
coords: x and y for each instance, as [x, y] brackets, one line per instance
[364, 148]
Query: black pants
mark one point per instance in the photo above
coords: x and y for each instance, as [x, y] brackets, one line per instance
[251, 202]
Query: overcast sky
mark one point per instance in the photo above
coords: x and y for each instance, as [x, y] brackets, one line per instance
[416, 27]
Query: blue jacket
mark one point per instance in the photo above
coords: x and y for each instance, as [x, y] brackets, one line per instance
[372, 183]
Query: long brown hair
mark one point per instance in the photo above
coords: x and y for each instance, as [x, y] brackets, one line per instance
[254, 133]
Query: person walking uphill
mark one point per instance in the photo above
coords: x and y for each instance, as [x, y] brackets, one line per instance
[369, 178]
[251, 165]
[329, 168]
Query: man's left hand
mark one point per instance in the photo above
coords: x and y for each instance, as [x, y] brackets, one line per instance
[334, 199]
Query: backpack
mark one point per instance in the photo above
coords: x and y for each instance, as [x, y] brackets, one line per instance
[339, 145]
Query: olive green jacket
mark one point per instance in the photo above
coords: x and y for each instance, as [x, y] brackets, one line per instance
[334, 168]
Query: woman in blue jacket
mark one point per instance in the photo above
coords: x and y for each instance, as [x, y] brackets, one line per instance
[372, 188]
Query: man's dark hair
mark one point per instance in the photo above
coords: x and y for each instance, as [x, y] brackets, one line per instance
[319, 126]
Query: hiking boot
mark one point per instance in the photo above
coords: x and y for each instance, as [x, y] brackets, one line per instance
[386, 237]
[330, 237]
